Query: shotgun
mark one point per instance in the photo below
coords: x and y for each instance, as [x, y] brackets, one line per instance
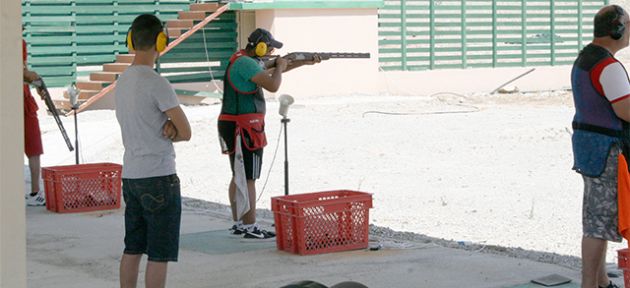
[309, 56]
[39, 83]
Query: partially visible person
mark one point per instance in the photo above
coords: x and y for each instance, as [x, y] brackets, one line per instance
[601, 93]
[150, 121]
[243, 114]
[33, 147]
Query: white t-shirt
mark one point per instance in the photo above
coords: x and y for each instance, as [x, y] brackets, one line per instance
[142, 96]
[615, 83]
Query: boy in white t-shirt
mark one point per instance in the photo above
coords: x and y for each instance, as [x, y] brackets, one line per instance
[150, 121]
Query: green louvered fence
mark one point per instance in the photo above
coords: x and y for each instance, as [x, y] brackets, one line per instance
[425, 34]
[216, 48]
[66, 38]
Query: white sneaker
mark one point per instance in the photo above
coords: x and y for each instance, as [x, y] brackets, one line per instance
[37, 200]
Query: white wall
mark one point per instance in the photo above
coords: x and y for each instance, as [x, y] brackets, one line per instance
[12, 212]
[327, 30]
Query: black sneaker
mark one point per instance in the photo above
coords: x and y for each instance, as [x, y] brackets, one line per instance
[258, 233]
[237, 230]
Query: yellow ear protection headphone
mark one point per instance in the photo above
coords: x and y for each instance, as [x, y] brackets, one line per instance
[161, 41]
[617, 27]
[261, 47]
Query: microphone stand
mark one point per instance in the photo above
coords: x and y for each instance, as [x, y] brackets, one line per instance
[72, 91]
[76, 134]
[284, 121]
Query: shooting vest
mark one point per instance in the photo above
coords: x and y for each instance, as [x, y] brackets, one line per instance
[596, 126]
[232, 96]
[251, 124]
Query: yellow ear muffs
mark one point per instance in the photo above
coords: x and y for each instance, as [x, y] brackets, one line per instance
[261, 49]
[161, 42]
[129, 42]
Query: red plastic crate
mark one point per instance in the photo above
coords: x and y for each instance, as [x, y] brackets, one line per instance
[322, 222]
[83, 187]
[624, 264]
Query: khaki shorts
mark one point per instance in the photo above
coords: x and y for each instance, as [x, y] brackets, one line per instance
[599, 208]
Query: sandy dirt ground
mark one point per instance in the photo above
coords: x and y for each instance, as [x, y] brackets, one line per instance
[487, 169]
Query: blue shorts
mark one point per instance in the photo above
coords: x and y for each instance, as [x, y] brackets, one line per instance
[152, 217]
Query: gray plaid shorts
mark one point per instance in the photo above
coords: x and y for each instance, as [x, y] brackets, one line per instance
[599, 208]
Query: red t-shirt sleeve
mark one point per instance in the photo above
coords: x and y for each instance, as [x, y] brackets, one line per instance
[27, 90]
[23, 50]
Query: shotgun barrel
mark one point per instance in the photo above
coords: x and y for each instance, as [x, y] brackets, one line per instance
[39, 83]
[309, 56]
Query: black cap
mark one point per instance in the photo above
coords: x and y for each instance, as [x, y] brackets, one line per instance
[262, 35]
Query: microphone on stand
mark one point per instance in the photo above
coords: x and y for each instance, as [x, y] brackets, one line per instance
[285, 101]
[73, 94]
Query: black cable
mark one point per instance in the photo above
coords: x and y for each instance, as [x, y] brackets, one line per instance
[275, 153]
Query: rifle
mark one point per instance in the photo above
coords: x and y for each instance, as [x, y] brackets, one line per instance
[39, 83]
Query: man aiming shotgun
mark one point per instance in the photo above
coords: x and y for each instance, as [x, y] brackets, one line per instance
[241, 125]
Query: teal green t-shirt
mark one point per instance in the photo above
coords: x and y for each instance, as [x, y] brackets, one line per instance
[242, 71]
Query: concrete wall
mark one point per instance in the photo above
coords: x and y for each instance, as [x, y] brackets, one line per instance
[246, 24]
[327, 30]
[12, 213]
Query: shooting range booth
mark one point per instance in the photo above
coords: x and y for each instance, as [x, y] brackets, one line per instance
[319, 26]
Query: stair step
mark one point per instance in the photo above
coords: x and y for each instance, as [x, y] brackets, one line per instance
[192, 15]
[92, 85]
[208, 7]
[86, 94]
[83, 94]
[124, 58]
[64, 104]
[104, 76]
[115, 67]
[179, 24]
[175, 32]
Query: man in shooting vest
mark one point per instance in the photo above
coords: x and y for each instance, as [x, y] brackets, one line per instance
[241, 124]
[601, 92]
